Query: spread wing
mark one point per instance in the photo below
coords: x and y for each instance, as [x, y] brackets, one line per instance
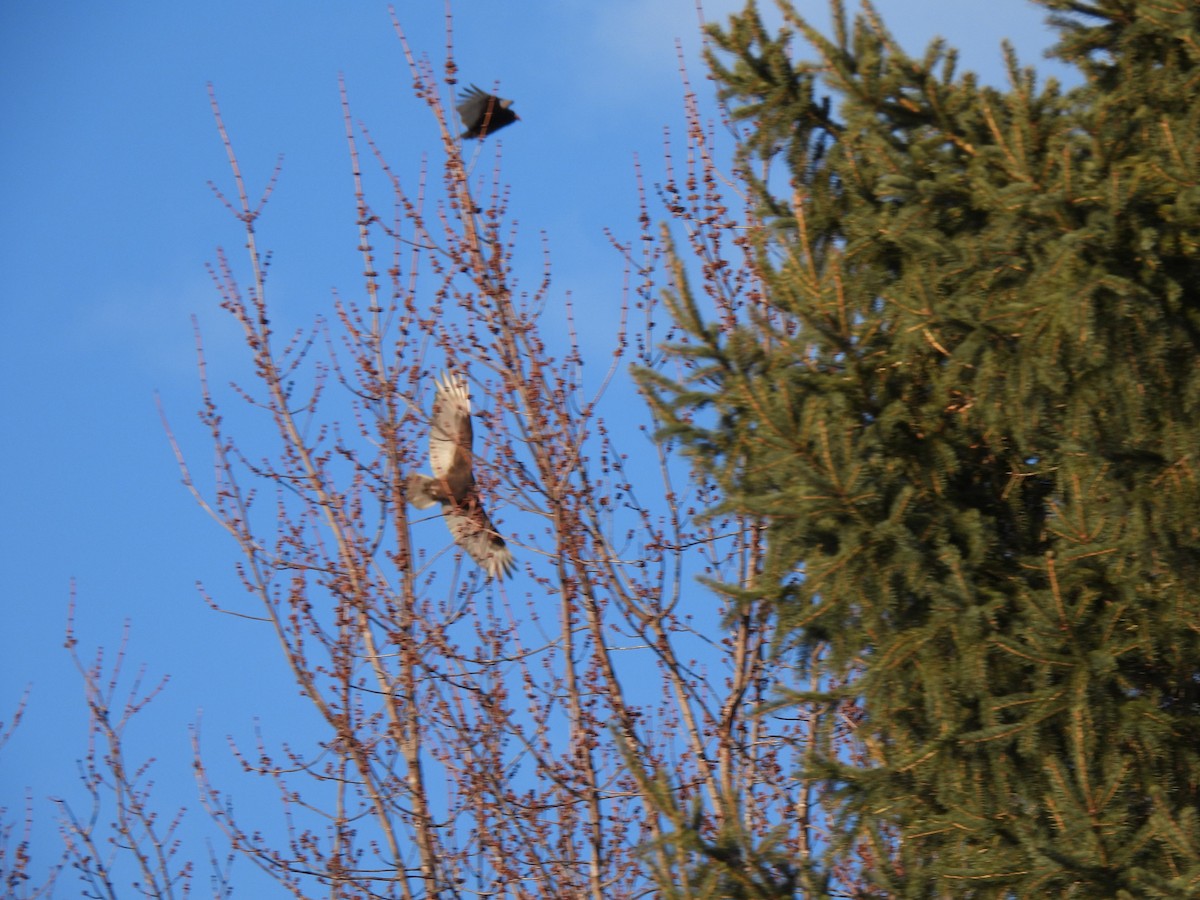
[483, 113]
[473, 106]
[450, 436]
[474, 532]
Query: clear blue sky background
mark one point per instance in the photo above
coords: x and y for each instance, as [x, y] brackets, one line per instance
[106, 223]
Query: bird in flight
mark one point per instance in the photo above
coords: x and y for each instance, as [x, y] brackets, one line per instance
[453, 481]
[484, 113]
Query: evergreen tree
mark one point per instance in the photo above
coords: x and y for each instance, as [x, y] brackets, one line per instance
[972, 422]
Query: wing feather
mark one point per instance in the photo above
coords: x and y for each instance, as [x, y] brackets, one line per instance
[473, 530]
[450, 436]
[473, 106]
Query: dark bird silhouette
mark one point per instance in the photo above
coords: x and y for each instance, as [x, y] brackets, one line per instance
[484, 113]
[453, 481]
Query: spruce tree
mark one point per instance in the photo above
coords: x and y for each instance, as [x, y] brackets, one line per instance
[971, 421]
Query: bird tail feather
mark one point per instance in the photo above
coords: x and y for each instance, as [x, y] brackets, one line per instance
[420, 491]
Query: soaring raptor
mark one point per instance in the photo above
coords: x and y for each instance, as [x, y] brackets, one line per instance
[453, 481]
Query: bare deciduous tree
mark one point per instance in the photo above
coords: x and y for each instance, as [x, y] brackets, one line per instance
[16, 855]
[601, 726]
[122, 828]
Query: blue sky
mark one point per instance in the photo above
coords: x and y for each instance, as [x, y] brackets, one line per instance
[107, 223]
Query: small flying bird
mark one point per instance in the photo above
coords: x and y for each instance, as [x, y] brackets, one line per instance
[484, 113]
[453, 481]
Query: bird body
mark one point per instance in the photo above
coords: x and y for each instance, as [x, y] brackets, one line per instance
[483, 113]
[453, 482]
